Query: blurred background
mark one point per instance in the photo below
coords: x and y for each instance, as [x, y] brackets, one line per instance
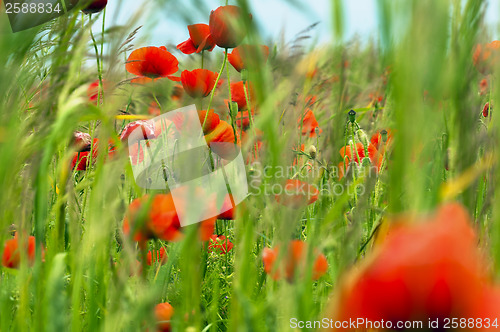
[275, 18]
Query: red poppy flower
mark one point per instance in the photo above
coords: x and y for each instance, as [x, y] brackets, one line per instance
[163, 314]
[161, 220]
[221, 140]
[243, 119]
[95, 6]
[150, 63]
[245, 56]
[147, 131]
[219, 244]
[80, 158]
[294, 263]
[199, 40]
[228, 208]
[309, 124]
[199, 82]
[210, 123]
[428, 270]
[93, 91]
[297, 194]
[486, 109]
[238, 94]
[226, 26]
[11, 257]
[159, 256]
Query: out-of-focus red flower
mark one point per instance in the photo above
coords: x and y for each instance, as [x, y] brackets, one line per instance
[294, 263]
[486, 110]
[238, 94]
[93, 91]
[486, 56]
[147, 131]
[150, 63]
[297, 194]
[177, 92]
[219, 244]
[228, 208]
[161, 220]
[159, 256]
[11, 257]
[154, 109]
[483, 87]
[222, 140]
[210, 123]
[163, 314]
[375, 156]
[427, 270]
[95, 6]
[308, 124]
[226, 26]
[243, 119]
[199, 82]
[199, 40]
[245, 56]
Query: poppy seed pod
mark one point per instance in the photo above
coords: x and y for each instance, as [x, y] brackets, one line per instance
[226, 26]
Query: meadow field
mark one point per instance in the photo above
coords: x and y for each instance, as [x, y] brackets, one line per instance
[301, 186]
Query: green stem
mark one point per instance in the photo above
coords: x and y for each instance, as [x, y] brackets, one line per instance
[215, 87]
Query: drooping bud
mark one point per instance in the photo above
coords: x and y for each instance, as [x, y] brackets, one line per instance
[312, 151]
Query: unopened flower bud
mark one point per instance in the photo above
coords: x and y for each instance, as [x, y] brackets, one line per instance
[352, 116]
[312, 151]
[244, 75]
[383, 133]
[366, 162]
[233, 109]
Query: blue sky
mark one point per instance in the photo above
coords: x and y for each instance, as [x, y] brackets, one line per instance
[274, 17]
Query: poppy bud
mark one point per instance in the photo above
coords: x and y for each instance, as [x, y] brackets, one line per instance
[233, 109]
[244, 75]
[383, 133]
[352, 116]
[225, 26]
[486, 110]
[94, 6]
[366, 162]
[312, 151]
